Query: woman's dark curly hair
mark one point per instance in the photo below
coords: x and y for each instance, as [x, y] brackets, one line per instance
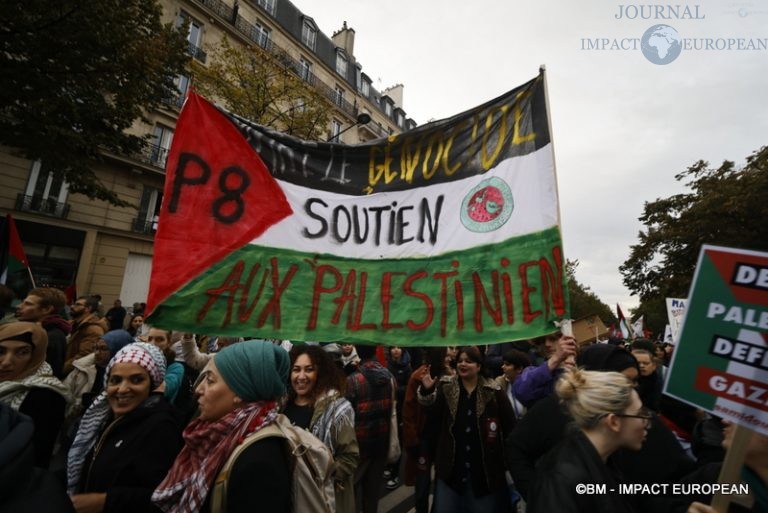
[329, 376]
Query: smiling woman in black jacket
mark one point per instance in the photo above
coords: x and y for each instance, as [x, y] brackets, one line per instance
[128, 438]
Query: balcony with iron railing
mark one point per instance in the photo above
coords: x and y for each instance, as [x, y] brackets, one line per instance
[141, 225]
[153, 155]
[40, 205]
[376, 129]
[197, 53]
[175, 102]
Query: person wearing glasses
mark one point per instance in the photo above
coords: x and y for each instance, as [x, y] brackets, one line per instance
[609, 416]
[546, 424]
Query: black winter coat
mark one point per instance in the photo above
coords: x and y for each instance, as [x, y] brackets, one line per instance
[545, 425]
[46, 408]
[573, 462]
[24, 488]
[133, 455]
[260, 479]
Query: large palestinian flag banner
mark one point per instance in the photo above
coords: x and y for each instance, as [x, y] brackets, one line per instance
[445, 234]
[720, 363]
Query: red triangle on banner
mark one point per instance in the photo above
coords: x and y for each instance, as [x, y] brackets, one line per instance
[726, 261]
[218, 196]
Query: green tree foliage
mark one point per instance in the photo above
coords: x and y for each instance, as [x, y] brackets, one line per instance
[583, 301]
[258, 86]
[75, 75]
[726, 206]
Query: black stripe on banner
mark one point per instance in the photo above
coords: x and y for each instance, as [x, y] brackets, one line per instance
[464, 145]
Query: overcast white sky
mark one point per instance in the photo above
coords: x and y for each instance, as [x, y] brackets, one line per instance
[623, 127]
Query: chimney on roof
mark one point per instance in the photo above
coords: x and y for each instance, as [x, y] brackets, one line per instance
[396, 93]
[345, 39]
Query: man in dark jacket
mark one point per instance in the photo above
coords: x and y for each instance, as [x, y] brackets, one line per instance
[116, 316]
[87, 329]
[43, 305]
[650, 383]
[369, 389]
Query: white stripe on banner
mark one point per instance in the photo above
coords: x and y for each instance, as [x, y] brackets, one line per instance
[424, 221]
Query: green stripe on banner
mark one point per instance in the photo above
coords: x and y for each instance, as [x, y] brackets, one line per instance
[494, 293]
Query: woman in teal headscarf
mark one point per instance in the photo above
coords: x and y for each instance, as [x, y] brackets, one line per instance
[237, 396]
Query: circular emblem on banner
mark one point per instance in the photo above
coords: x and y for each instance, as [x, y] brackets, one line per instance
[492, 426]
[487, 206]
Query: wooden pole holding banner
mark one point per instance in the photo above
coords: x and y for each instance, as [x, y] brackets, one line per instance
[543, 71]
[730, 472]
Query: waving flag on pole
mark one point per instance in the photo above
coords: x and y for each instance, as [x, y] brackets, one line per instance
[626, 332]
[444, 234]
[638, 327]
[14, 266]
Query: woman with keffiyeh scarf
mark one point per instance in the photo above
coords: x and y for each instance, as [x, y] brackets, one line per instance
[316, 403]
[237, 396]
[127, 439]
[27, 384]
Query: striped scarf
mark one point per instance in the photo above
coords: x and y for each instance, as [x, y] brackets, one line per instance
[14, 392]
[207, 445]
[332, 412]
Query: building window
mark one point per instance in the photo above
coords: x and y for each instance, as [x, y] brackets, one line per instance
[182, 86]
[341, 64]
[46, 193]
[309, 34]
[267, 5]
[305, 69]
[339, 99]
[366, 89]
[159, 145]
[149, 211]
[358, 77]
[194, 36]
[400, 119]
[260, 34]
[335, 130]
[388, 108]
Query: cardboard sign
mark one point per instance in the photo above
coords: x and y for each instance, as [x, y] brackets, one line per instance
[720, 363]
[589, 329]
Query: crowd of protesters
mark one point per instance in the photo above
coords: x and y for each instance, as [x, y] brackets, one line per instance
[104, 413]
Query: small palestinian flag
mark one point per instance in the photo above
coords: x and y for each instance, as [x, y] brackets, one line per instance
[14, 267]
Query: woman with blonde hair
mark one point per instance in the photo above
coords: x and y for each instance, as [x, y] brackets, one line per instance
[608, 415]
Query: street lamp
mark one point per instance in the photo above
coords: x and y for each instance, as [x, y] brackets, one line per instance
[362, 119]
